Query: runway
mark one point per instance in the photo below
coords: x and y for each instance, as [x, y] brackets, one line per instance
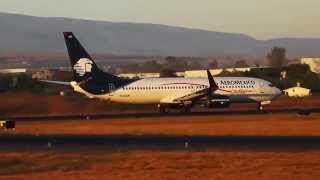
[125, 142]
[156, 114]
[267, 130]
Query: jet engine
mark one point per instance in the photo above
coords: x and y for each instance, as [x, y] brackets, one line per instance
[218, 102]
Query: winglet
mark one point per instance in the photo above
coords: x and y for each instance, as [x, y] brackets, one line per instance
[212, 83]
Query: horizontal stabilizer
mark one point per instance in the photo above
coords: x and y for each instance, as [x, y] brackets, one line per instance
[57, 82]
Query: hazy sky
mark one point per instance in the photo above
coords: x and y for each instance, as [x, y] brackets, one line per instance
[262, 19]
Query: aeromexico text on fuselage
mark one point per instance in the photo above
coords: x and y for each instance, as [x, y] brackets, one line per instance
[237, 82]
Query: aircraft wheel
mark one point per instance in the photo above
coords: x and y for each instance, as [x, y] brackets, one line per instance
[162, 109]
[260, 107]
[186, 109]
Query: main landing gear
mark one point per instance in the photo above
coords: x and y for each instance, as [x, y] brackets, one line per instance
[164, 109]
[261, 104]
[260, 107]
[186, 109]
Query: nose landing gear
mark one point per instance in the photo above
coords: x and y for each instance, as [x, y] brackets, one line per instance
[164, 109]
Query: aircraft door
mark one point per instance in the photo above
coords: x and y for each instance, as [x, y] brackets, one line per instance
[111, 87]
[261, 87]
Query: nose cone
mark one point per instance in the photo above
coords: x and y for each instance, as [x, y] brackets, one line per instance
[277, 92]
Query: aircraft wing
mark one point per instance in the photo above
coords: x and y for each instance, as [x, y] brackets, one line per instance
[194, 96]
[57, 82]
[208, 92]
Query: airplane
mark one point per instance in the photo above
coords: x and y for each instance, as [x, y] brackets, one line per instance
[167, 93]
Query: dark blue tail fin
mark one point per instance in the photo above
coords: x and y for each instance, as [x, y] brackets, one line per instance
[85, 71]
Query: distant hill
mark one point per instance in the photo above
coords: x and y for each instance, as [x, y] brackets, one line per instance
[20, 33]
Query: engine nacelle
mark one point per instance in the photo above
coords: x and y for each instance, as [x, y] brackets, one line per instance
[219, 102]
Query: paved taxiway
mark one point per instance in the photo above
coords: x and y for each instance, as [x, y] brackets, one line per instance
[300, 111]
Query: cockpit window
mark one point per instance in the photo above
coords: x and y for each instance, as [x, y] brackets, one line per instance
[271, 85]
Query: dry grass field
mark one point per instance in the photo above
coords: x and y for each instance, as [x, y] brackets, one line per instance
[234, 125]
[158, 165]
[100, 162]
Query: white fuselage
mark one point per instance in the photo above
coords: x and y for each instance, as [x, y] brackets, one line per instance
[167, 90]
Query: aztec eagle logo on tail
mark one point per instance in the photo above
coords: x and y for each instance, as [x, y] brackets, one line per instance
[83, 66]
